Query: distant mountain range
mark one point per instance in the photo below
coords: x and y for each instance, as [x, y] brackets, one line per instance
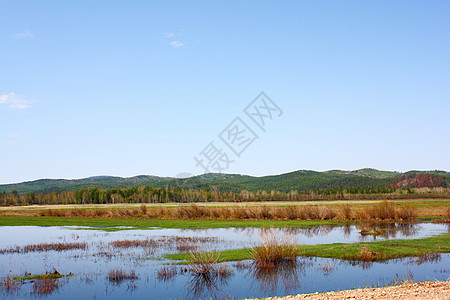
[298, 180]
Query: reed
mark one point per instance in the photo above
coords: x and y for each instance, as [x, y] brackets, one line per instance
[117, 276]
[274, 250]
[406, 213]
[346, 212]
[43, 247]
[9, 284]
[203, 262]
[148, 243]
[45, 286]
[167, 273]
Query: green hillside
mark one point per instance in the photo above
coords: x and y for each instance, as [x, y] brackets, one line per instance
[298, 180]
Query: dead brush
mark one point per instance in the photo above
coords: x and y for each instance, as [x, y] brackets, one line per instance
[406, 213]
[191, 212]
[144, 209]
[219, 213]
[54, 213]
[242, 213]
[327, 213]
[265, 213]
[118, 276]
[448, 214]
[100, 212]
[385, 211]
[346, 212]
[273, 250]
[291, 212]
[311, 212]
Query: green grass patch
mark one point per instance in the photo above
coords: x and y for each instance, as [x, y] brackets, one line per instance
[41, 276]
[103, 224]
[382, 250]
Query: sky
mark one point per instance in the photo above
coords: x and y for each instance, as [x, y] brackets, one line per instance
[125, 88]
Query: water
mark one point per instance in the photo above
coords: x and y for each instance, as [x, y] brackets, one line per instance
[92, 265]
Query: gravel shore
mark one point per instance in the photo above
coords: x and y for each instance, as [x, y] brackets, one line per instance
[436, 290]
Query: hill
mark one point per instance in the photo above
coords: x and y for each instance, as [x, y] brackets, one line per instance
[298, 180]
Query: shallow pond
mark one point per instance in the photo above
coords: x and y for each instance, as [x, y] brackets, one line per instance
[101, 252]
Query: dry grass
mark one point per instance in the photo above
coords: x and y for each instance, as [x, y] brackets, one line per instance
[45, 247]
[181, 243]
[203, 262]
[366, 255]
[306, 210]
[406, 213]
[167, 273]
[274, 249]
[186, 246]
[45, 286]
[223, 270]
[148, 243]
[9, 285]
[346, 212]
[117, 276]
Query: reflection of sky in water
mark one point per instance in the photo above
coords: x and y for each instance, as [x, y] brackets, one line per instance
[242, 237]
[91, 266]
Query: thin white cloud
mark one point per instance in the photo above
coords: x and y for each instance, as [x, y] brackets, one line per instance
[176, 44]
[13, 134]
[14, 137]
[14, 101]
[168, 35]
[24, 35]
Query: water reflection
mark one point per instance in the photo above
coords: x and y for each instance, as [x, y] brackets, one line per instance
[208, 284]
[373, 231]
[131, 250]
[425, 258]
[284, 275]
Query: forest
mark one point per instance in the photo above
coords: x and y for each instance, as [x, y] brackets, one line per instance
[148, 194]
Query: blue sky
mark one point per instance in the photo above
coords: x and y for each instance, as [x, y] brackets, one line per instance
[141, 87]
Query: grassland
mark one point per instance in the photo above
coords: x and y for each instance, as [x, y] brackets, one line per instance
[150, 223]
[224, 214]
[54, 275]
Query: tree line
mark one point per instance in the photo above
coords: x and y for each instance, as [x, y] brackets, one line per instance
[149, 194]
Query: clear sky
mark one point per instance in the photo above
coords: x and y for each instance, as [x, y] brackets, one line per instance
[142, 87]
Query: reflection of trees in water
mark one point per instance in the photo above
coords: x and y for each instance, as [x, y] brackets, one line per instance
[347, 230]
[365, 265]
[318, 230]
[309, 232]
[408, 229]
[388, 230]
[426, 258]
[283, 275]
